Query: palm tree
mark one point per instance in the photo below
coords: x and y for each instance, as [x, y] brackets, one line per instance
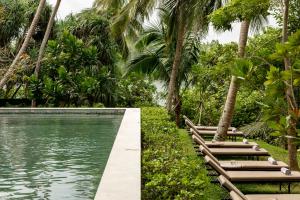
[126, 18]
[31, 30]
[188, 15]
[156, 54]
[248, 13]
[225, 120]
[44, 43]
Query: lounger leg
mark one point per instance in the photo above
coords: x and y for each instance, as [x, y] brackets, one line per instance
[280, 186]
[289, 188]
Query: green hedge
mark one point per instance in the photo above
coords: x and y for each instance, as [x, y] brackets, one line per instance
[169, 170]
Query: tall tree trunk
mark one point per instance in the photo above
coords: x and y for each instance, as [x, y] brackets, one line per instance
[291, 100]
[31, 30]
[44, 43]
[228, 110]
[175, 66]
[177, 108]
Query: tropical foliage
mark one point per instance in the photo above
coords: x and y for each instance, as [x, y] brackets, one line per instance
[111, 55]
[168, 170]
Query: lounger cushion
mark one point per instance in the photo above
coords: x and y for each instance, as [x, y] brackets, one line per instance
[254, 176]
[238, 152]
[212, 132]
[251, 165]
[211, 128]
[262, 176]
[235, 196]
[229, 144]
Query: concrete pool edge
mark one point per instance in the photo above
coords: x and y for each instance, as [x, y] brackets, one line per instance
[122, 175]
[62, 110]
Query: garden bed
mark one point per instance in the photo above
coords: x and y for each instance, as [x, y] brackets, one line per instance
[170, 167]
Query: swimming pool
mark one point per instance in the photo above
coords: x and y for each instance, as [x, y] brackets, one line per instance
[54, 155]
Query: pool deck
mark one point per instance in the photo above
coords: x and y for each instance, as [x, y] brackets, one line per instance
[121, 179]
[122, 175]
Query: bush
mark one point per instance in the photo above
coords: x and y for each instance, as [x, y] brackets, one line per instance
[72, 75]
[135, 91]
[247, 109]
[168, 170]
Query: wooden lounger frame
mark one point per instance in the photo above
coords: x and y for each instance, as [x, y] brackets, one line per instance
[236, 194]
[256, 176]
[230, 134]
[232, 151]
[261, 165]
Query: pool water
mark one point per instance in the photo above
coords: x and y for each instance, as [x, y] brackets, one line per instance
[55, 157]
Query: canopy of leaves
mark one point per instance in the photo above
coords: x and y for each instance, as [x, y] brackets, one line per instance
[294, 14]
[135, 91]
[155, 53]
[16, 17]
[278, 80]
[93, 30]
[12, 20]
[72, 75]
[238, 10]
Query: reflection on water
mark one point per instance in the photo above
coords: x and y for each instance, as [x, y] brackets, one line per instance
[57, 157]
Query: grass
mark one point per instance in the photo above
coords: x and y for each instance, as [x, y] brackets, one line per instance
[277, 152]
[212, 191]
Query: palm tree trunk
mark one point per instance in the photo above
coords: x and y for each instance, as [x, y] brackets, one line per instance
[31, 30]
[177, 108]
[44, 43]
[292, 103]
[175, 66]
[228, 110]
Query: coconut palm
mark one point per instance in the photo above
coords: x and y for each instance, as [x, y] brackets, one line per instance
[31, 31]
[156, 54]
[250, 13]
[44, 43]
[46, 37]
[126, 18]
[187, 16]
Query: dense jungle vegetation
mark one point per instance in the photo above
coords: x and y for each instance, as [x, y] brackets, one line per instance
[112, 55]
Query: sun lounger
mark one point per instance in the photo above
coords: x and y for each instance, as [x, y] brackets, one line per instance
[192, 126]
[238, 152]
[243, 164]
[232, 151]
[226, 144]
[210, 131]
[213, 132]
[213, 128]
[255, 176]
[236, 194]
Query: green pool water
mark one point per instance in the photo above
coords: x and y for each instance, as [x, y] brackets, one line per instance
[55, 157]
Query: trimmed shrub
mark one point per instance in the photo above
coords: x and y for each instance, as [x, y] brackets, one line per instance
[168, 170]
